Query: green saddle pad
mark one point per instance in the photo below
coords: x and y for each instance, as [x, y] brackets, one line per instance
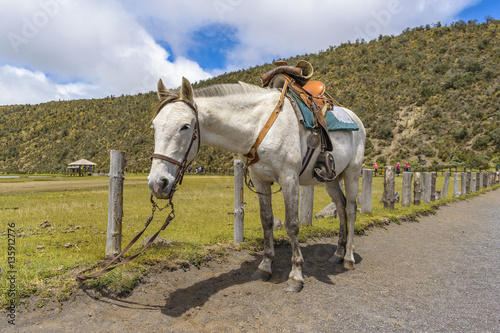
[337, 119]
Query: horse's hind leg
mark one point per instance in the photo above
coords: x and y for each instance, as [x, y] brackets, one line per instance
[346, 208]
[264, 270]
[334, 190]
[351, 179]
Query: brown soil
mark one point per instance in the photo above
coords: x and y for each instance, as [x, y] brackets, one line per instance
[440, 274]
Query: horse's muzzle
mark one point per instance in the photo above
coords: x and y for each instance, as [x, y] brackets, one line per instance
[160, 187]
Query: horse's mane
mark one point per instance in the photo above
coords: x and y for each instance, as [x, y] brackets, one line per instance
[226, 89]
[215, 90]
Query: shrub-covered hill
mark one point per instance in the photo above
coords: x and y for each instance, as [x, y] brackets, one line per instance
[430, 90]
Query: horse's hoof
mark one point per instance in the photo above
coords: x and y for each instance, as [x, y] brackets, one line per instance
[349, 265]
[336, 260]
[261, 275]
[294, 286]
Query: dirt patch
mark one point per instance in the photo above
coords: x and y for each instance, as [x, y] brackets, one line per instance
[440, 274]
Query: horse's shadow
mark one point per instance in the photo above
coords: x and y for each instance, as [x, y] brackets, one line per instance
[316, 265]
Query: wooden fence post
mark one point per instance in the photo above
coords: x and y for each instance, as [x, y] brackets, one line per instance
[433, 186]
[479, 181]
[473, 182]
[115, 203]
[467, 182]
[426, 183]
[306, 205]
[389, 187]
[488, 179]
[455, 185]
[406, 190]
[366, 191]
[463, 183]
[239, 206]
[485, 179]
[446, 184]
[416, 189]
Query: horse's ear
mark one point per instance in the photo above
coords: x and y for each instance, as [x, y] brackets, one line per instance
[187, 91]
[162, 90]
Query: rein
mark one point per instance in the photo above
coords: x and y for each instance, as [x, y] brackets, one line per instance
[113, 262]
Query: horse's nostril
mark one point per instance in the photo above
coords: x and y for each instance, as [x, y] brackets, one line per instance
[163, 184]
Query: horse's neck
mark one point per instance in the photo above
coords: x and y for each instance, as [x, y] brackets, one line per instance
[232, 122]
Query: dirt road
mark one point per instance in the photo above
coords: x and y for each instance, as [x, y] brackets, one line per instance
[439, 275]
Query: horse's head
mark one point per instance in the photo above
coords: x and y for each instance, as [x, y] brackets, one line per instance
[176, 133]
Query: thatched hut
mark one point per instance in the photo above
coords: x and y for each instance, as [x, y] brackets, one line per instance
[81, 167]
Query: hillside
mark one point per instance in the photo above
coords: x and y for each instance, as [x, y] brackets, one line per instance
[430, 90]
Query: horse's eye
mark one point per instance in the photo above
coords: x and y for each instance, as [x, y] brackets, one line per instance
[185, 127]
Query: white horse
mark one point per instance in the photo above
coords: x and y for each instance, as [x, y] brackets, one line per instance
[231, 117]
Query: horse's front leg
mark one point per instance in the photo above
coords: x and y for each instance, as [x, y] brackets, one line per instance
[291, 196]
[264, 270]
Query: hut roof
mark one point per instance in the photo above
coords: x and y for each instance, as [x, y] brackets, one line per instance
[80, 163]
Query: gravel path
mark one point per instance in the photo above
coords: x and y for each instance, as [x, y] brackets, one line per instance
[439, 275]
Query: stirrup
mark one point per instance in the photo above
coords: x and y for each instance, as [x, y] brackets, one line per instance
[324, 169]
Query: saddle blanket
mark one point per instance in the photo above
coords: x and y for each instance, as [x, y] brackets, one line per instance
[337, 119]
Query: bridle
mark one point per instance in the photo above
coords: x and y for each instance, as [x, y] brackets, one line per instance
[184, 164]
[113, 262]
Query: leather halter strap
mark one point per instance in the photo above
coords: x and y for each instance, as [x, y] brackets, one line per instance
[196, 136]
[165, 158]
[252, 156]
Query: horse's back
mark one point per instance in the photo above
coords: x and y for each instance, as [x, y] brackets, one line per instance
[349, 146]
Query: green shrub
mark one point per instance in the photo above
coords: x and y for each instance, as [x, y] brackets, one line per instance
[481, 142]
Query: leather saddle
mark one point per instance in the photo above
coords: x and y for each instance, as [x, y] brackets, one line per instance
[317, 90]
[312, 94]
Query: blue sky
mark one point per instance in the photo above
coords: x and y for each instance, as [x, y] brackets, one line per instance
[481, 10]
[61, 49]
[212, 43]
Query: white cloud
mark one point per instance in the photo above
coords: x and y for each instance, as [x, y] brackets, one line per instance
[95, 42]
[110, 47]
[22, 86]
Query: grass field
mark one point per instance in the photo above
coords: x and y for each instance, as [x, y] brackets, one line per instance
[59, 227]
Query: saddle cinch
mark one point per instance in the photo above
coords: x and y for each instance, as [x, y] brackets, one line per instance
[313, 94]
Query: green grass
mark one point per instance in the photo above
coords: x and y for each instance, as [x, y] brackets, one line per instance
[76, 209]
